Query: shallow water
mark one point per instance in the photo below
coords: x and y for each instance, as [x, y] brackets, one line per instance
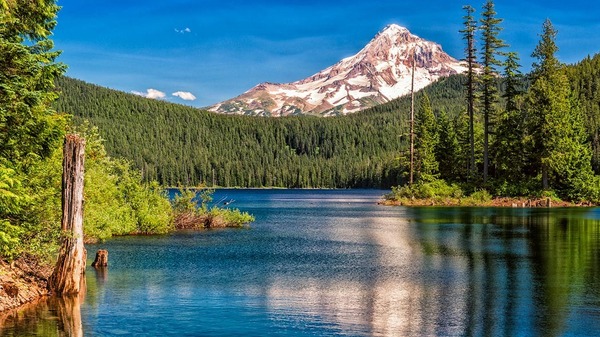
[333, 263]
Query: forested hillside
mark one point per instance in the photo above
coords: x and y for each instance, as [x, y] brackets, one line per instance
[179, 145]
[176, 145]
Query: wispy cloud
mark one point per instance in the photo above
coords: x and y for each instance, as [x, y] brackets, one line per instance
[150, 93]
[183, 31]
[184, 95]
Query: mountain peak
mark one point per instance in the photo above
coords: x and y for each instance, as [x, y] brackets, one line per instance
[394, 28]
[378, 73]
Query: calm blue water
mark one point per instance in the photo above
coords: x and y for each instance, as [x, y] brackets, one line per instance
[334, 263]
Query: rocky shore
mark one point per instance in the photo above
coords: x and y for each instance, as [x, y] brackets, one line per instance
[22, 281]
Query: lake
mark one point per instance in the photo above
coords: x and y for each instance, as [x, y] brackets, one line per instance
[334, 263]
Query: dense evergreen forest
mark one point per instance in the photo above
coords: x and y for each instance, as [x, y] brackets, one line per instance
[176, 145]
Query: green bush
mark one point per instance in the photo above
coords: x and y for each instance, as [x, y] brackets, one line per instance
[232, 217]
[117, 201]
[190, 215]
[437, 188]
[482, 196]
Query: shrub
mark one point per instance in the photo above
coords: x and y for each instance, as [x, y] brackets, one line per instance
[437, 188]
[190, 215]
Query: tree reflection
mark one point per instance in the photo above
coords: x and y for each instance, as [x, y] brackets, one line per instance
[525, 269]
[52, 316]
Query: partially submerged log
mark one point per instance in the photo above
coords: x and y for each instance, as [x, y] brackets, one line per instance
[68, 274]
[101, 259]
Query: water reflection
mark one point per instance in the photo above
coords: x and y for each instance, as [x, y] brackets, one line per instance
[492, 272]
[51, 317]
[313, 268]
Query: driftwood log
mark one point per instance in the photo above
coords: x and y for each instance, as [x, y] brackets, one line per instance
[68, 275]
[101, 259]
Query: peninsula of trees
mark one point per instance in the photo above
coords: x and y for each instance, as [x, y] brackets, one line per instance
[523, 135]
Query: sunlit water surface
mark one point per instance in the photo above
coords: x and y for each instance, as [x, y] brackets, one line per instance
[334, 263]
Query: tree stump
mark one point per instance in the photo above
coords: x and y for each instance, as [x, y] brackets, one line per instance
[101, 259]
[70, 268]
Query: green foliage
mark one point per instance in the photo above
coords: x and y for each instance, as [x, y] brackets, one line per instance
[11, 198]
[117, 201]
[178, 145]
[489, 93]
[30, 130]
[186, 201]
[584, 78]
[426, 190]
[468, 32]
[190, 215]
[28, 127]
[231, 217]
[481, 196]
[427, 139]
[556, 124]
[540, 140]
[447, 150]
[509, 155]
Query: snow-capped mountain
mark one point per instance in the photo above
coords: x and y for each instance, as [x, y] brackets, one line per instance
[380, 72]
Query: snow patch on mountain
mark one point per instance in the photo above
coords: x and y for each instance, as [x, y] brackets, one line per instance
[380, 72]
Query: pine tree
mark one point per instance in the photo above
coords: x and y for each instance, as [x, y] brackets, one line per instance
[427, 167]
[28, 126]
[556, 123]
[447, 149]
[470, 27]
[489, 93]
[29, 129]
[462, 162]
[508, 143]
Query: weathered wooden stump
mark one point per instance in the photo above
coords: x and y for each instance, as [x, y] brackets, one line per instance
[69, 271]
[101, 259]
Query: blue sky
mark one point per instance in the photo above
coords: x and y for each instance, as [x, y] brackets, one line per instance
[215, 50]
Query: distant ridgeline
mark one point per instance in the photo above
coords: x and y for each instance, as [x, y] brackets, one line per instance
[175, 144]
[179, 145]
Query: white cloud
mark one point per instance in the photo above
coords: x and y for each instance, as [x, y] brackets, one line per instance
[183, 31]
[184, 95]
[150, 93]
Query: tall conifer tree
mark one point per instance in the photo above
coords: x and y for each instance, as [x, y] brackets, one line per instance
[447, 150]
[489, 93]
[470, 27]
[427, 139]
[27, 71]
[556, 123]
[508, 143]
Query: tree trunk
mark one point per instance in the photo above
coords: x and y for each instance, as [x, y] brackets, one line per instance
[486, 125]
[412, 121]
[545, 184]
[68, 274]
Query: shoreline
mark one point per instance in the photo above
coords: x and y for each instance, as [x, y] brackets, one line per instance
[23, 281]
[504, 202]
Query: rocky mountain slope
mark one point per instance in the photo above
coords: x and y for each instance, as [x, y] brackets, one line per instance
[380, 72]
